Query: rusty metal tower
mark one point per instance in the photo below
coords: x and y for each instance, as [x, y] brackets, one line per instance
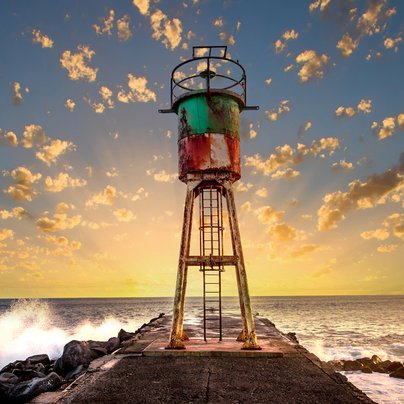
[208, 93]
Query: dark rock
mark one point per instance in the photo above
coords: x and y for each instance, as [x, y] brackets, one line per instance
[386, 364]
[352, 365]
[292, 337]
[99, 351]
[373, 363]
[58, 366]
[27, 374]
[43, 358]
[113, 344]
[4, 389]
[393, 367]
[25, 391]
[366, 369]
[336, 365]
[76, 353]
[124, 335]
[7, 377]
[40, 367]
[73, 373]
[399, 373]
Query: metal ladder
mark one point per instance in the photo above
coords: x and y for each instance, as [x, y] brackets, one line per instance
[211, 244]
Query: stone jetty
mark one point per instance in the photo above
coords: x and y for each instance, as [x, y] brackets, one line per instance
[142, 370]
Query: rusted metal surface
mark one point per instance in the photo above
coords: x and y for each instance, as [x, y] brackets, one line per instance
[248, 333]
[177, 332]
[208, 152]
[199, 113]
[211, 260]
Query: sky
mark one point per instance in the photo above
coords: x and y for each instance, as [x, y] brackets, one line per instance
[90, 201]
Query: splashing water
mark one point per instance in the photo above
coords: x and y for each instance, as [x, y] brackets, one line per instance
[29, 327]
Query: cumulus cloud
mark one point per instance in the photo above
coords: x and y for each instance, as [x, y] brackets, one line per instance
[287, 155]
[70, 104]
[274, 114]
[142, 5]
[283, 232]
[360, 195]
[227, 38]
[282, 43]
[42, 39]
[18, 213]
[388, 126]
[319, 4]
[242, 187]
[17, 96]
[124, 215]
[22, 189]
[378, 234]
[138, 91]
[364, 106]
[123, 26]
[51, 152]
[287, 173]
[5, 234]
[76, 64]
[218, 22]
[62, 181]
[162, 176]
[165, 30]
[8, 138]
[312, 65]
[268, 215]
[347, 45]
[369, 22]
[342, 165]
[59, 221]
[252, 131]
[261, 192]
[106, 197]
[390, 43]
[33, 135]
[107, 24]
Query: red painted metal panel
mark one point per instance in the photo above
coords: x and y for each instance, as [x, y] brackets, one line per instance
[209, 152]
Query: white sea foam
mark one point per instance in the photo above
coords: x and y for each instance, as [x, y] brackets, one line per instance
[27, 328]
[378, 386]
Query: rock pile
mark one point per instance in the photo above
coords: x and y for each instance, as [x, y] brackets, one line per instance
[370, 365]
[22, 380]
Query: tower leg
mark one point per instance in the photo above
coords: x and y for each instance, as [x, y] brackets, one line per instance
[177, 333]
[245, 303]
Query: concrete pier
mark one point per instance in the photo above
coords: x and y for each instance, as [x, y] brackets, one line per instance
[209, 372]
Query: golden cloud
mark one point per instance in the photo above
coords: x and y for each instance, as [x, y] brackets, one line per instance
[60, 221]
[360, 195]
[51, 152]
[22, 189]
[76, 64]
[138, 91]
[8, 138]
[33, 135]
[106, 197]
[166, 30]
[312, 65]
[123, 26]
[287, 155]
[142, 5]
[107, 24]
[124, 215]
[62, 181]
[42, 39]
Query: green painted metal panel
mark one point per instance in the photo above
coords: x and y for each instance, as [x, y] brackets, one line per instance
[199, 113]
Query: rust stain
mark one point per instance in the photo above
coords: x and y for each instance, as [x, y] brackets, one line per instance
[209, 152]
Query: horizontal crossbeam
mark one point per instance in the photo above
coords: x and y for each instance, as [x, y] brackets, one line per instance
[211, 260]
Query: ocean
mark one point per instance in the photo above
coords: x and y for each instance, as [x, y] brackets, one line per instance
[332, 327]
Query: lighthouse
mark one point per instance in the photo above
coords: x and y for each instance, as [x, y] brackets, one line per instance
[208, 94]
